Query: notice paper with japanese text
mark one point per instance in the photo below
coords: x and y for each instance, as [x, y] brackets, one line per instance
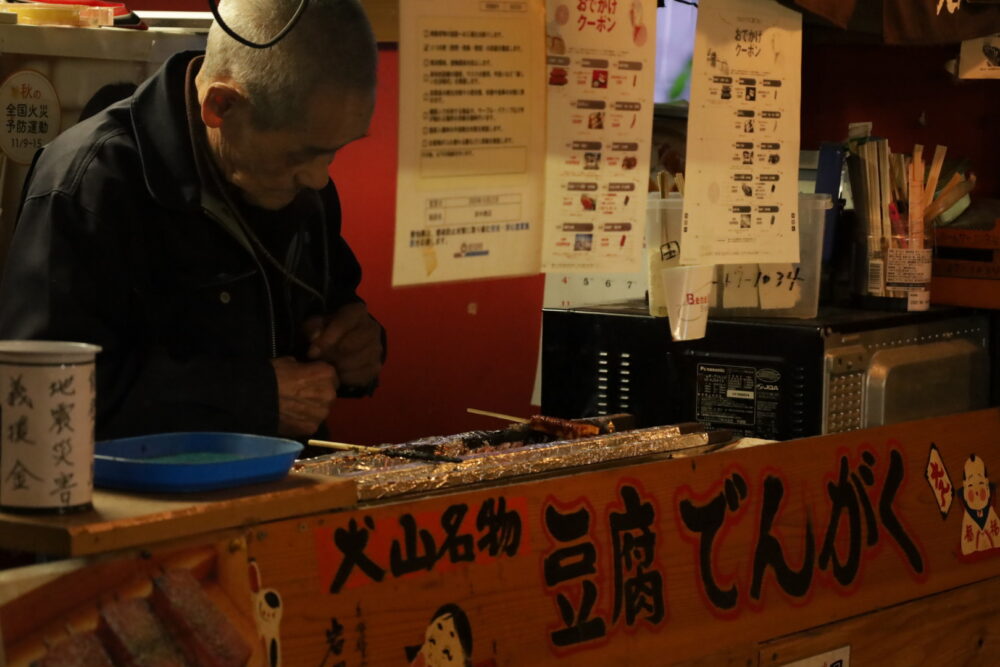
[741, 196]
[599, 77]
[468, 193]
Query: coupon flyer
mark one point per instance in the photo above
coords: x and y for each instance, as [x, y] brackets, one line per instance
[741, 198]
[599, 77]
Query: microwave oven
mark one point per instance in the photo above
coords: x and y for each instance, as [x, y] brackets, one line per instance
[767, 378]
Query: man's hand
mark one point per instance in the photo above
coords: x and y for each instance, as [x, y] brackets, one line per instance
[305, 394]
[349, 339]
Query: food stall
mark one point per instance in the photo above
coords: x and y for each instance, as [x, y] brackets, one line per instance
[597, 541]
[632, 546]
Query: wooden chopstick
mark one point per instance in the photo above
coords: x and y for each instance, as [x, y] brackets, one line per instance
[953, 183]
[498, 415]
[949, 197]
[664, 182]
[386, 451]
[935, 172]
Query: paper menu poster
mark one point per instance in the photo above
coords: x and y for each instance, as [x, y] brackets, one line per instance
[741, 194]
[599, 80]
[468, 193]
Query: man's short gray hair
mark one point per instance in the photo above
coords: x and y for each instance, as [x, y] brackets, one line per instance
[332, 44]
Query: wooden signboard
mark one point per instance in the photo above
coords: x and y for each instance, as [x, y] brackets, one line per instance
[651, 563]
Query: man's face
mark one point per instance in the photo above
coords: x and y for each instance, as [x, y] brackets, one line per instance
[270, 167]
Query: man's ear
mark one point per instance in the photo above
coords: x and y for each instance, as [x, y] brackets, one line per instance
[221, 100]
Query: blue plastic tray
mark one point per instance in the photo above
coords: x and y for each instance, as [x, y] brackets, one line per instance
[187, 462]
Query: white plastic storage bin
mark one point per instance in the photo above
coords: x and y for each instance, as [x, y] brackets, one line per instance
[777, 290]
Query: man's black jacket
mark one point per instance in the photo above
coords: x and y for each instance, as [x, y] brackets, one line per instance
[119, 244]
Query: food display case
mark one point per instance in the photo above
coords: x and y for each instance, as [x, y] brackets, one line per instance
[662, 545]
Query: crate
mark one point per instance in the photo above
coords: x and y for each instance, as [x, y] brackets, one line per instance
[966, 268]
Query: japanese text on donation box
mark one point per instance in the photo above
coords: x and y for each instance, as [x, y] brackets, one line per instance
[741, 198]
[32, 115]
[467, 203]
[48, 416]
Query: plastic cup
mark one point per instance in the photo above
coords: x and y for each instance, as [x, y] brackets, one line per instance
[47, 410]
[663, 247]
[687, 290]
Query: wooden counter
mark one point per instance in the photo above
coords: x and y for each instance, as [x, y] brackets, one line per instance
[123, 520]
[876, 547]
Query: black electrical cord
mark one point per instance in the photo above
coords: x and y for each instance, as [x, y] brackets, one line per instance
[246, 42]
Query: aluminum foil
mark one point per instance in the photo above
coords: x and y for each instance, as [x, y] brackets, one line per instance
[379, 476]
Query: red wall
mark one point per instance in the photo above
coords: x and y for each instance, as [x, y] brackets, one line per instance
[451, 346]
[894, 87]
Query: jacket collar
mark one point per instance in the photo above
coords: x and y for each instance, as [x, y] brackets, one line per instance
[159, 121]
[171, 170]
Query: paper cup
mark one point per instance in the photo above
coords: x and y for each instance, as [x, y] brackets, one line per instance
[47, 409]
[687, 290]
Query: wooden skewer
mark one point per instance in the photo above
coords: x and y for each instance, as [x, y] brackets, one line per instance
[917, 197]
[386, 451]
[949, 197]
[679, 180]
[664, 182]
[498, 415]
[955, 180]
[935, 172]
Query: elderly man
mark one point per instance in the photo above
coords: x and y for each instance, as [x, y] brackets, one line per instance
[193, 232]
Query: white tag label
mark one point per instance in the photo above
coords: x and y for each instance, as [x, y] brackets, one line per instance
[918, 299]
[875, 285]
[780, 286]
[739, 285]
[908, 267]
